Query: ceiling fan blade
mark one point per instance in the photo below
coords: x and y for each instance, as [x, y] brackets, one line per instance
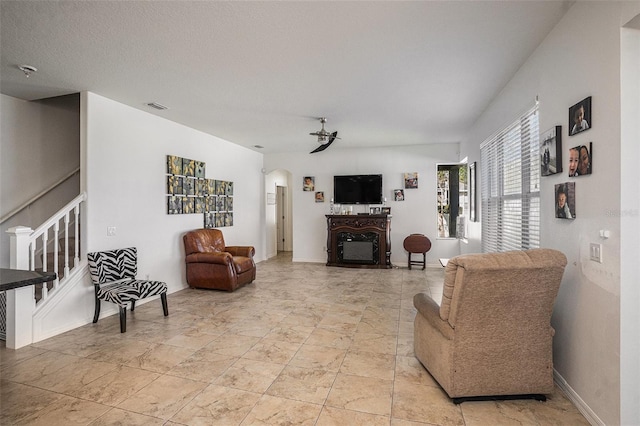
[333, 137]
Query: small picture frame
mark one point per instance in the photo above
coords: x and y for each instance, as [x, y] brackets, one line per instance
[308, 183]
[320, 197]
[188, 167]
[581, 160]
[398, 194]
[174, 165]
[199, 169]
[209, 220]
[189, 186]
[411, 180]
[188, 205]
[174, 185]
[174, 204]
[580, 118]
[385, 210]
[565, 200]
[551, 151]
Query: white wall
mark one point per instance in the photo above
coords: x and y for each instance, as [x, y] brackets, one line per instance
[630, 225]
[579, 58]
[126, 151]
[40, 145]
[417, 214]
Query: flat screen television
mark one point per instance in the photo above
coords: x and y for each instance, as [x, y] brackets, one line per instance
[357, 189]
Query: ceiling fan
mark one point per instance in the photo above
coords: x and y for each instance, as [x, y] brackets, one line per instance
[325, 138]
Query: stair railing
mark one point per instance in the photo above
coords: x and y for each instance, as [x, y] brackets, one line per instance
[21, 302]
[37, 242]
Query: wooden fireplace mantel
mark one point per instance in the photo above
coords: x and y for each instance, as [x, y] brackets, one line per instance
[375, 228]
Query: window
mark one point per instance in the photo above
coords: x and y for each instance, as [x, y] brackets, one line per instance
[510, 167]
[452, 200]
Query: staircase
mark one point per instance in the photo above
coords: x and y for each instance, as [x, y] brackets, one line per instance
[54, 247]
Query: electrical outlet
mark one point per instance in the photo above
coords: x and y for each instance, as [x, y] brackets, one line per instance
[111, 231]
[595, 252]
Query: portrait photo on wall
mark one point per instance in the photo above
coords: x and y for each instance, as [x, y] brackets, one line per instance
[581, 160]
[565, 200]
[551, 151]
[398, 194]
[308, 183]
[319, 197]
[580, 117]
[411, 180]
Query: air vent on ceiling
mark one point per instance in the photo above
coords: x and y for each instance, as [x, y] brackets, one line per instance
[157, 105]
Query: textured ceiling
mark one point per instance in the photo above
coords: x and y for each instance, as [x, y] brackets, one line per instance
[260, 73]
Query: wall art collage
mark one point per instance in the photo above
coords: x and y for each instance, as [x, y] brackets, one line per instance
[190, 192]
[580, 157]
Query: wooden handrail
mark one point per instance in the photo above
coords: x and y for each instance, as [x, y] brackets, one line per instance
[38, 196]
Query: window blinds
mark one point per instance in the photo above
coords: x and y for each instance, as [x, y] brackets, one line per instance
[510, 193]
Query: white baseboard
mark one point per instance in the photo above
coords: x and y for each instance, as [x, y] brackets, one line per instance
[582, 406]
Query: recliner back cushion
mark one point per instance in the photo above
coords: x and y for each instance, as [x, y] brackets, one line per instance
[204, 241]
[491, 272]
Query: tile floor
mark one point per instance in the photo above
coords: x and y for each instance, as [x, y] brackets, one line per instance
[303, 345]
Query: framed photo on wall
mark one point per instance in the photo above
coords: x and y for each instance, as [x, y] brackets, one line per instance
[581, 160]
[580, 117]
[308, 183]
[551, 151]
[411, 180]
[565, 200]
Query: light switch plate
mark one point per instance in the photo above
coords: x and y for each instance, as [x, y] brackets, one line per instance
[111, 231]
[595, 252]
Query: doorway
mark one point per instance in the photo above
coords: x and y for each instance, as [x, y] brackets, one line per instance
[278, 214]
[281, 218]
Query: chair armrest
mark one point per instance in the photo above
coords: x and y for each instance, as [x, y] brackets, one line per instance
[219, 258]
[429, 309]
[246, 251]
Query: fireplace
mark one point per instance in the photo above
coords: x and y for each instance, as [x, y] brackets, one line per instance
[359, 248]
[359, 241]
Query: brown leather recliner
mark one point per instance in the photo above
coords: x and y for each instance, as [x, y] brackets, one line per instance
[212, 264]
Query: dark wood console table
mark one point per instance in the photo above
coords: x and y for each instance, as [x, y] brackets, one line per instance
[359, 241]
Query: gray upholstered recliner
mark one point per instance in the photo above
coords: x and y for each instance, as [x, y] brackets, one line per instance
[492, 334]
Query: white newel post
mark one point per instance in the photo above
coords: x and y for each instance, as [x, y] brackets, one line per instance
[21, 302]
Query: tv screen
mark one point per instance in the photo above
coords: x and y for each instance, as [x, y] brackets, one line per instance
[357, 189]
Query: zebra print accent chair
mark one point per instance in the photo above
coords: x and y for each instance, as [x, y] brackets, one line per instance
[113, 274]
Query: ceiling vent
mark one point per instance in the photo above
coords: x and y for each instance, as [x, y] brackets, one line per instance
[157, 106]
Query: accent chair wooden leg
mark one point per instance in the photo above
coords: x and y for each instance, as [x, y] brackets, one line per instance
[409, 262]
[96, 315]
[123, 319]
[165, 307]
[133, 305]
[424, 261]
